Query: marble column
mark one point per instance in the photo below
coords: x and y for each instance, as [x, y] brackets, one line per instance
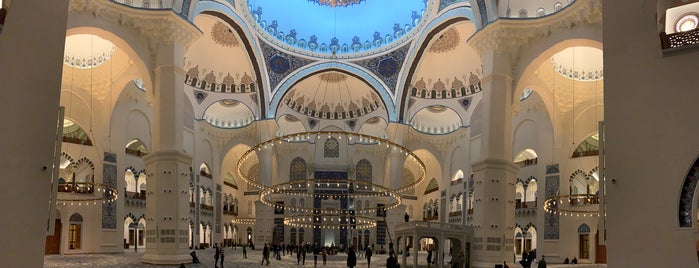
[167, 208]
[494, 172]
[31, 64]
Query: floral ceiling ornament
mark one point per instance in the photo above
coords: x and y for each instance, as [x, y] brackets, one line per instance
[446, 42]
[337, 3]
[224, 36]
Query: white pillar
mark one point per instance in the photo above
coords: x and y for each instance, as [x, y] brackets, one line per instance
[31, 64]
[494, 172]
[168, 201]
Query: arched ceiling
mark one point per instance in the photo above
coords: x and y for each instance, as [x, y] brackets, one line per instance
[344, 26]
[219, 52]
[446, 82]
[436, 119]
[332, 95]
[228, 114]
[91, 63]
[574, 77]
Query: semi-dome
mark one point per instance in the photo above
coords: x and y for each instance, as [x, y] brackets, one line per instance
[325, 27]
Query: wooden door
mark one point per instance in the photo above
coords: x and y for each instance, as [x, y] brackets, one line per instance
[53, 242]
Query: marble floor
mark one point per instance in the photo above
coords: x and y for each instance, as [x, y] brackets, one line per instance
[233, 258]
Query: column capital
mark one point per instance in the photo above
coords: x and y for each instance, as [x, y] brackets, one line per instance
[509, 34]
[158, 26]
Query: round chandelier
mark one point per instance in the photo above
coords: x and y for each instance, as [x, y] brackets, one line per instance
[244, 221]
[347, 190]
[578, 205]
[330, 221]
[83, 194]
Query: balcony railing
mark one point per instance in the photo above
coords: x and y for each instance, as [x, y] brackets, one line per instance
[527, 162]
[457, 181]
[530, 204]
[206, 207]
[676, 41]
[147, 4]
[135, 152]
[205, 174]
[469, 211]
[583, 200]
[135, 195]
[77, 187]
[455, 213]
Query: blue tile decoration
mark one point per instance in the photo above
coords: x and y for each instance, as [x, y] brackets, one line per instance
[387, 67]
[219, 212]
[551, 221]
[687, 195]
[552, 169]
[445, 3]
[200, 96]
[109, 210]
[280, 64]
[483, 11]
[465, 102]
[109, 157]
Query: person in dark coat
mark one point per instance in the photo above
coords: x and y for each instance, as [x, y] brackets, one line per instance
[221, 254]
[392, 261]
[351, 258]
[368, 254]
[542, 262]
[216, 255]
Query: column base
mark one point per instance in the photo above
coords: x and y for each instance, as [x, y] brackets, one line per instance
[166, 258]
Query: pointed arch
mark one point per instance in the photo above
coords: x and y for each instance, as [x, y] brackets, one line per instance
[297, 169]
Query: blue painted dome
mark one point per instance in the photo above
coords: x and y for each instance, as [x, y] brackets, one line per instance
[342, 27]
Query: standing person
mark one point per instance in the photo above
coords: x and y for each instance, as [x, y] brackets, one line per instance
[265, 254]
[351, 258]
[542, 262]
[392, 261]
[325, 256]
[215, 255]
[245, 253]
[303, 254]
[316, 251]
[298, 255]
[406, 217]
[220, 254]
[429, 257]
[504, 265]
[368, 254]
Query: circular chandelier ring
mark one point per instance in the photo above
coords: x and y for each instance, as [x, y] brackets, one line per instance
[109, 193]
[560, 205]
[330, 221]
[308, 136]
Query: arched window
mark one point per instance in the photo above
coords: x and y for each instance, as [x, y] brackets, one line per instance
[588, 147]
[557, 6]
[522, 13]
[136, 147]
[297, 170]
[142, 178]
[584, 241]
[75, 231]
[541, 12]
[364, 170]
[302, 203]
[332, 148]
[204, 170]
[301, 234]
[130, 180]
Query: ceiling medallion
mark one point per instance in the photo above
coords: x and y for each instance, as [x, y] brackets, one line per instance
[333, 77]
[337, 3]
[446, 42]
[222, 35]
[85, 51]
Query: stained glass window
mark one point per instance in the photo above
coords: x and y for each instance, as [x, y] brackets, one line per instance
[332, 148]
[297, 171]
[364, 170]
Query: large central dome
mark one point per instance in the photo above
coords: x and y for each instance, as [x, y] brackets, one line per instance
[325, 27]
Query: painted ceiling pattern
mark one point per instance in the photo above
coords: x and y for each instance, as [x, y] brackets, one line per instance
[216, 82]
[387, 67]
[439, 89]
[337, 3]
[224, 36]
[280, 64]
